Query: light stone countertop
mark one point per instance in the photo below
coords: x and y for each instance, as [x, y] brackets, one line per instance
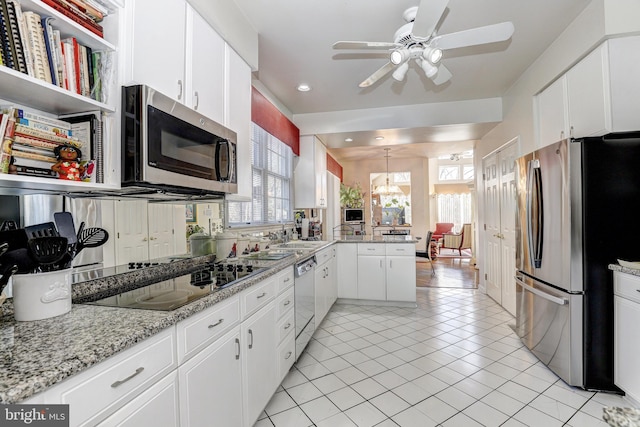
[37, 355]
[618, 267]
[368, 238]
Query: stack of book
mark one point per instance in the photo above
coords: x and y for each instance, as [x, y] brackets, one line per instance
[31, 139]
[31, 45]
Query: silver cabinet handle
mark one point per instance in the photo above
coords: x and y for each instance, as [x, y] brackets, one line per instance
[287, 326]
[216, 324]
[370, 249]
[261, 295]
[287, 279]
[250, 339]
[286, 303]
[237, 349]
[195, 95]
[390, 263]
[557, 300]
[179, 89]
[287, 356]
[380, 263]
[120, 382]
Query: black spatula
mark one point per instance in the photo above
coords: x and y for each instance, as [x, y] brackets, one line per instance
[48, 250]
[66, 227]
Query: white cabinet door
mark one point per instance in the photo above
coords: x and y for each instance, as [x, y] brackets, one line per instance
[158, 402]
[588, 95]
[401, 278]
[161, 236]
[320, 285]
[626, 346]
[132, 232]
[332, 279]
[259, 361]
[310, 175]
[238, 118]
[321, 174]
[204, 76]
[552, 113]
[371, 278]
[211, 384]
[347, 270]
[157, 45]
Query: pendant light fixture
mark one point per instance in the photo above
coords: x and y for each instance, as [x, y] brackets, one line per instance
[387, 189]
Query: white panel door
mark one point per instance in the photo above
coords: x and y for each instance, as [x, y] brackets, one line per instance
[372, 282]
[492, 228]
[160, 230]
[132, 231]
[401, 278]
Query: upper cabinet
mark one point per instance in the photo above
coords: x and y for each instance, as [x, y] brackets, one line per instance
[48, 100]
[310, 175]
[595, 97]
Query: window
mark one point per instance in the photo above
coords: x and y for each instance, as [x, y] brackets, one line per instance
[455, 208]
[271, 164]
[449, 173]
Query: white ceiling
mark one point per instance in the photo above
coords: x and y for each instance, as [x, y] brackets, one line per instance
[295, 46]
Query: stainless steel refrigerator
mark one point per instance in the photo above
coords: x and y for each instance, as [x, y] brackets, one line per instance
[575, 215]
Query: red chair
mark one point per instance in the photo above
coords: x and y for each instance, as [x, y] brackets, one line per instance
[441, 228]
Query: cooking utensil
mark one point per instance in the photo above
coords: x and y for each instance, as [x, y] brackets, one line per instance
[47, 229]
[6, 275]
[66, 227]
[91, 238]
[8, 225]
[21, 258]
[48, 250]
[4, 247]
[15, 238]
[80, 230]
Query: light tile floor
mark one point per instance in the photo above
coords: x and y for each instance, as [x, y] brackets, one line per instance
[452, 361]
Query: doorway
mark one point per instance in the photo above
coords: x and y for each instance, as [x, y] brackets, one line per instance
[500, 220]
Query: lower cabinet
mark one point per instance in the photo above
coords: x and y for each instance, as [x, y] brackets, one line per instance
[326, 291]
[347, 270]
[210, 386]
[626, 345]
[158, 402]
[386, 272]
[372, 283]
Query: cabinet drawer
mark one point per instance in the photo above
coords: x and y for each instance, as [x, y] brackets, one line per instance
[399, 249]
[285, 326]
[286, 355]
[285, 279]
[108, 386]
[284, 303]
[257, 296]
[371, 248]
[626, 285]
[324, 255]
[198, 331]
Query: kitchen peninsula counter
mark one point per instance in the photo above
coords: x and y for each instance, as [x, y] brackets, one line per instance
[367, 238]
[37, 355]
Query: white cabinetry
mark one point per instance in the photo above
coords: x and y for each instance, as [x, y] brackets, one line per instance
[326, 291]
[387, 271]
[286, 351]
[184, 59]
[595, 96]
[310, 175]
[626, 344]
[347, 270]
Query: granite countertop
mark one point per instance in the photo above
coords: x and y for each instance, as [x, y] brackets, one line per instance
[36, 355]
[618, 267]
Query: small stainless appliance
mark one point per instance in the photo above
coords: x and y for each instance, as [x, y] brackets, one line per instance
[568, 195]
[352, 215]
[167, 146]
[173, 293]
[305, 302]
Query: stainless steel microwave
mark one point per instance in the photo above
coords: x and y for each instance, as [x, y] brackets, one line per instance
[166, 145]
[352, 215]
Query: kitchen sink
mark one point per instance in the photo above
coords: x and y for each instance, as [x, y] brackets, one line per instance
[308, 244]
[269, 256]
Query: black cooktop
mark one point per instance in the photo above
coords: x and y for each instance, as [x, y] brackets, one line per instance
[173, 293]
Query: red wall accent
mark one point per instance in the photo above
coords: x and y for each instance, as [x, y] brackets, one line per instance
[269, 118]
[334, 167]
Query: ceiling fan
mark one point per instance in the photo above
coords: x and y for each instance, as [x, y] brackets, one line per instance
[417, 40]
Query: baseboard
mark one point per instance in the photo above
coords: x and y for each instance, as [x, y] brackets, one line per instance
[404, 304]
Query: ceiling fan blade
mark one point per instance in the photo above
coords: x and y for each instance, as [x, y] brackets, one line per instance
[377, 75]
[364, 45]
[442, 76]
[475, 36]
[428, 16]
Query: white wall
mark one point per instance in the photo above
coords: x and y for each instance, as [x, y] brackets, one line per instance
[600, 19]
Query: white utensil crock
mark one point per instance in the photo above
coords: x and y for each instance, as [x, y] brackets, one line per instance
[42, 295]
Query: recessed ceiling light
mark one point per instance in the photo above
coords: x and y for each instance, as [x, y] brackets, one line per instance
[379, 138]
[304, 87]
[348, 140]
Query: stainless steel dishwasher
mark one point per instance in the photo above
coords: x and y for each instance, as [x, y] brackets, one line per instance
[304, 294]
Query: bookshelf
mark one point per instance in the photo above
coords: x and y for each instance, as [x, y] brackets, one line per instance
[41, 97]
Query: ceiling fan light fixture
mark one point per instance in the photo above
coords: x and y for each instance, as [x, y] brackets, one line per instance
[432, 55]
[401, 72]
[398, 56]
[429, 69]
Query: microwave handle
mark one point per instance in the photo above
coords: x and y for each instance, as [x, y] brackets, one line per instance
[227, 173]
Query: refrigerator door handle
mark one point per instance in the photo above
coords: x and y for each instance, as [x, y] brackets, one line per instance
[557, 300]
[535, 218]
